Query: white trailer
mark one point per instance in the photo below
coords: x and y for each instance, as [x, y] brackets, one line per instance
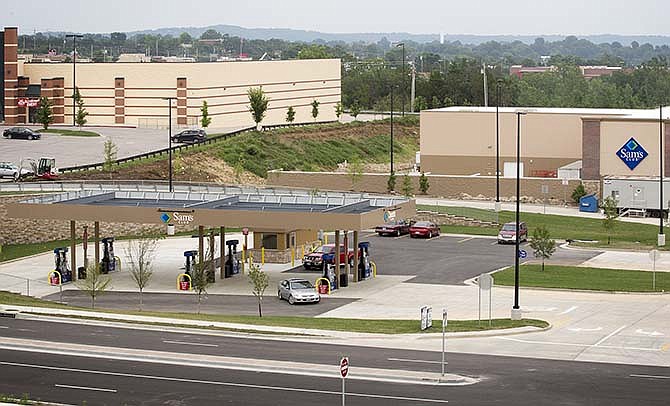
[637, 193]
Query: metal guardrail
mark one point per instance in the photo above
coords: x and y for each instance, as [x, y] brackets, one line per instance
[176, 148]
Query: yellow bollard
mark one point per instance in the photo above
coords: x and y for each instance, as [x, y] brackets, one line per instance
[303, 251]
[262, 255]
[244, 260]
[292, 256]
[251, 259]
[374, 269]
[325, 239]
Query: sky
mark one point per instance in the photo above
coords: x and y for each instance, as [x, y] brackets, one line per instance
[483, 17]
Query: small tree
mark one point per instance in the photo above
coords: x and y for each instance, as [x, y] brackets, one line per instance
[355, 109]
[141, 254]
[315, 109]
[258, 104]
[95, 284]
[407, 187]
[424, 185]
[390, 183]
[578, 193]
[199, 279]
[355, 171]
[178, 164]
[109, 155]
[609, 207]
[45, 114]
[339, 109]
[260, 281]
[205, 119]
[290, 114]
[543, 246]
[80, 117]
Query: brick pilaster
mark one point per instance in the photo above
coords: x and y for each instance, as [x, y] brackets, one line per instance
[666, 148]
[590, 149]
[119, 100]
[181, 102]
[22, 112]
[58, 94]
[11, 72]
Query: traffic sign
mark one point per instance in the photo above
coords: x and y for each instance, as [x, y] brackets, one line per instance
[344, 366]
[522, 254]
[245, 231]
[485, 281]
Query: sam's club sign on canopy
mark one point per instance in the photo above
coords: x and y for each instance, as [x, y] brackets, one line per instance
[632, 153]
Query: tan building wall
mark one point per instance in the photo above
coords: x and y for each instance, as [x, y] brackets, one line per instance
[223, 85]
[464, 143]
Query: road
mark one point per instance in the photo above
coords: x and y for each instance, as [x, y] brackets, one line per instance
[108, 379]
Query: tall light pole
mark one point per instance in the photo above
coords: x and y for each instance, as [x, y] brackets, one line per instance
[169, 99]
[498, 90]
[516, 310]
[402, 82]
[74, 74]
[661, 236]
[391, 129]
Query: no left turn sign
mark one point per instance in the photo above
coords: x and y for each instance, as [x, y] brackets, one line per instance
[344, 366]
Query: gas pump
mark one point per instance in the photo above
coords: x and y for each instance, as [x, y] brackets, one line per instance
[364, 266]
[232, 265]
[189, 264]
[61, 266]
[108, 262]
[329, 273]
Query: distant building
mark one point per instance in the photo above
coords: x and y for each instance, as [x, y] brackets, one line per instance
[133, 58]
[587, 71]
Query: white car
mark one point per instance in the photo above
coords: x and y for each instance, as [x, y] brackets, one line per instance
[9, 170]
[297, 290]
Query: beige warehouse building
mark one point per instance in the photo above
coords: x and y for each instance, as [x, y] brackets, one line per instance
[555, 142]
[131, 93]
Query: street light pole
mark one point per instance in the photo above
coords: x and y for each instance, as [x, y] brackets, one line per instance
[391, 130]
[498, 88]
[169, 99]
[74, 74]
[661, 236]
[402, 82]
[516, 311]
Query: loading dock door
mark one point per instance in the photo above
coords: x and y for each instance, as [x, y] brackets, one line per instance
[509, 169]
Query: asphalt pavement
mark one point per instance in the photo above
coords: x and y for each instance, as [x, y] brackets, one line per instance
[110, 379]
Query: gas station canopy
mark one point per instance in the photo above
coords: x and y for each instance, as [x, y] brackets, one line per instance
[233, 207]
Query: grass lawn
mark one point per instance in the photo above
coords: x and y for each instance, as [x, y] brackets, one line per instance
[73, 133]
[626, 235]
[354, 325]
[572, 277]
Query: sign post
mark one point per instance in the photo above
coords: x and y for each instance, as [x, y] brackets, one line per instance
[344, 370]
[545, 191]
[444, 335]
[485, 283]
[654, 255]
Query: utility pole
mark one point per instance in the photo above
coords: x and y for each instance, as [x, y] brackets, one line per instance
[486, 90]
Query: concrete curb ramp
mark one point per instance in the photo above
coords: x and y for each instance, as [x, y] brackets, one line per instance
[243, 364]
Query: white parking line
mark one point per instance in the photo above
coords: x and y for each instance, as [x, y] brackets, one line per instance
[418, 361]
[609, 335]
[569, 310]
[4, 327]
[85, 388]
[649, 376]
[369, 235]
[402, 236]
[465, 239]
[187, 343]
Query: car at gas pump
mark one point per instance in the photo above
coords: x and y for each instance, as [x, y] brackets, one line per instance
[297, 290]
[314, 260]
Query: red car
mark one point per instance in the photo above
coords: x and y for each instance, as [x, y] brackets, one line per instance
[396, 228]
[314, 260]
[424, 229]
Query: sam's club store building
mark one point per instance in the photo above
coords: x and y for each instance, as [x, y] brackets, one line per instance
[597, 146]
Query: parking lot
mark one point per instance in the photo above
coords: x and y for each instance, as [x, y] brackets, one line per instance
[450, 260]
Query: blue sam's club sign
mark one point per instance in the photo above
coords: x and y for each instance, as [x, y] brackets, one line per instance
[632, 153]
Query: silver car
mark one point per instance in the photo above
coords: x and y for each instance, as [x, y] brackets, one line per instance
[9, 170]
[297, 290]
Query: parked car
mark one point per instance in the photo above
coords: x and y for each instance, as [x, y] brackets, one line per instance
[424, 229]
[508, 233]
[297, 290]
[397, 228]
[190, 136]
[314, 260]
[9, 170]
[21, 132]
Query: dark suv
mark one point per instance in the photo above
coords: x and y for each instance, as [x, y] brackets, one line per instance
[21, 132]
[190, 136]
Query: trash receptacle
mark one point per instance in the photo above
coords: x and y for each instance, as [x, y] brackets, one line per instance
[81, 272]
[588, 204]
[323, 288]
[344, 279]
